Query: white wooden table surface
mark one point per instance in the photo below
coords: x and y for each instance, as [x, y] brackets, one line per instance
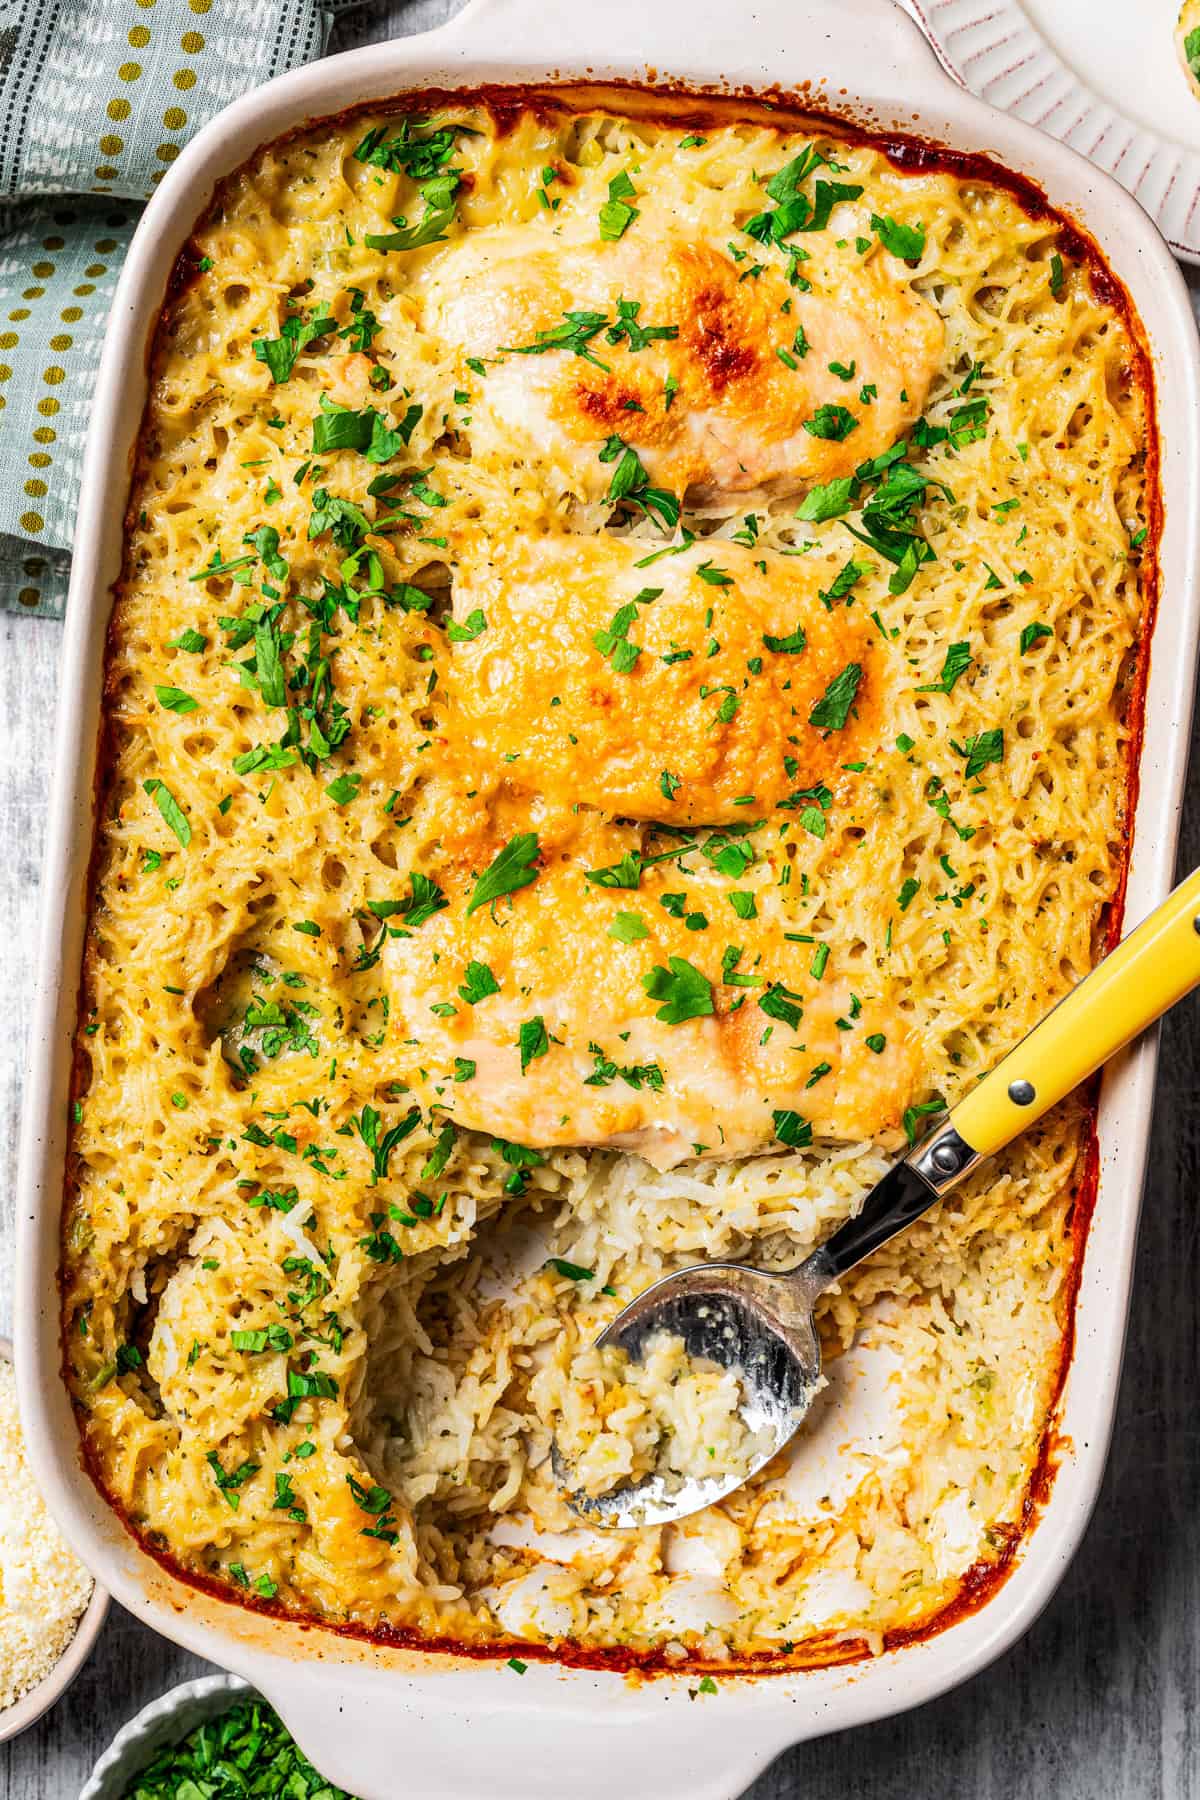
[1101, 1701]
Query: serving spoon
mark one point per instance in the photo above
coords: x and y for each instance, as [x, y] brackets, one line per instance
[760, 1324]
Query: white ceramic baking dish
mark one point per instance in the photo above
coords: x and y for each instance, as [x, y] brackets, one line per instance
[383, 1722]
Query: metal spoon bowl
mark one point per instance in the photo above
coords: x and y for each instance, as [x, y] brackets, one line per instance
[760, 1326]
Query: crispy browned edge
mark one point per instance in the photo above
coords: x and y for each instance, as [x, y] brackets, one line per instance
[695, 108]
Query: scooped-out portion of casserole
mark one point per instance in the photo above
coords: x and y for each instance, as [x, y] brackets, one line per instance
[619, 706]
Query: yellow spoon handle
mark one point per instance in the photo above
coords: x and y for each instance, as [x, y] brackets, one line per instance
[1152, 968]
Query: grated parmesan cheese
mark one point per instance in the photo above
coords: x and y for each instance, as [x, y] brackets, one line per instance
[43, 1585]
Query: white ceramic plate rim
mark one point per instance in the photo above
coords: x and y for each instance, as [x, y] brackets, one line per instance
[1001, 54]
[38, 1700]
[361, 1714]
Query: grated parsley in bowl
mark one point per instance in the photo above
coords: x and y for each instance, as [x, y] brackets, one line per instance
[246, 1753]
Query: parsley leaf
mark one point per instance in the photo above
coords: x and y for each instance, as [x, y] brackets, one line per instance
[905, 241]
[173, 814]
[616, 215]
[832, 710]
[831, 422]
[791, 1129]
[175, 700]
[296, 333]
[575, 334]
[478, 983]
[471, 628]
[984, 748]
[624, 874]
[532, 1040]
[957, 661]
[631, 482]
[684, 991]
[513, 867]
[791, 645]
[828, 500]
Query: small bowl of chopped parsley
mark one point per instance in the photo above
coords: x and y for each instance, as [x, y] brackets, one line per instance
[212, 1739]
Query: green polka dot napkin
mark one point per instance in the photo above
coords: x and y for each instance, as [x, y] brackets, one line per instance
[96, 99]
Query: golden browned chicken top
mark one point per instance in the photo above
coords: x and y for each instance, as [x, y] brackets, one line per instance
[725, 377]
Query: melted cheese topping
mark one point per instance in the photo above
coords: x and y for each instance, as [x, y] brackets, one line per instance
[524, 773]
[695, 710]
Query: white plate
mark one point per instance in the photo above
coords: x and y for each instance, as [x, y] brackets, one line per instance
[1100, 75]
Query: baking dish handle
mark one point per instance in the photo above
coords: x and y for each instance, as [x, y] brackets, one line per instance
[872, 43]
[523, 1744]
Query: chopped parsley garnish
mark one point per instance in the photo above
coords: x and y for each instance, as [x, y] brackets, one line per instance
[478, 983]
[569, 1271]
[792, 1130]
[190, 640]
[265, 1338]
[631, 482]
[905, 241]
[343, 789]
[683, 990]
[831, 422]
[888, 515]
[636, 336]
[575, 334]
[423, 900]
[173, 814]
[376, 1502]
[957, 661]
[295, 334]
[795, 211]
[779, 1002]
[339, 428]
[617, 215]
[381, 1144]
[175, 700]
[473, 626]
[532, 1041]
[513, 867]
[634, 1075]
[832, 710]
[914, 1114]
[790, 645]
[713, 576]
[984, 748]
[627, 873]
[230, 1480]
[1030, 634]
[612, 640]
[423, 156]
